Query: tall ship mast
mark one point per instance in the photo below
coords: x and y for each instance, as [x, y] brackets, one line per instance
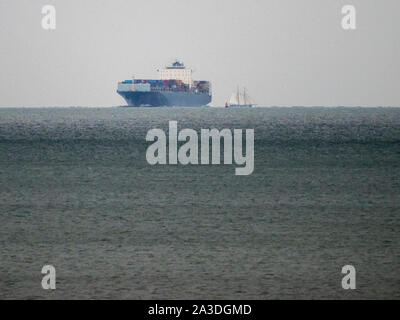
[174, 87]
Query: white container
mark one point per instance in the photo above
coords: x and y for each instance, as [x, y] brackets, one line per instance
[124, 87]
[143, 87]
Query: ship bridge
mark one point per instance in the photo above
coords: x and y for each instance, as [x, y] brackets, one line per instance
[176, 71]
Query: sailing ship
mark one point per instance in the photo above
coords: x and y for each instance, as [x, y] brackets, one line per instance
[240, 99]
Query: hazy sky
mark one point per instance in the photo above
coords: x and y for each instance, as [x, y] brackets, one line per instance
[286, 52]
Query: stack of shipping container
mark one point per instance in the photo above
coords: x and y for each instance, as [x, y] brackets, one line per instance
[163, 85]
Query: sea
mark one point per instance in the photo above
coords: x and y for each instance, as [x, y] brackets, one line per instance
[77, 193]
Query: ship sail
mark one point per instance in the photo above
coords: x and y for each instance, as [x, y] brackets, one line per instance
[247, 99]
[239, 98]
[234, 99]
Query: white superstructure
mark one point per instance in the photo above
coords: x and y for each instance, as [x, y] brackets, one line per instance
[177, 71]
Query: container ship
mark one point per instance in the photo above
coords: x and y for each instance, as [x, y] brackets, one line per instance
[174, 87]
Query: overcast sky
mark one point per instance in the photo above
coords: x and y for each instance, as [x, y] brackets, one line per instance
[286, 52]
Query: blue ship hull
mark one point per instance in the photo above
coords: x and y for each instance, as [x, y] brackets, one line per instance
[165, 99]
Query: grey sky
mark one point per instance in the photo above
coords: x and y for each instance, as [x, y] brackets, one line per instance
[286, 52]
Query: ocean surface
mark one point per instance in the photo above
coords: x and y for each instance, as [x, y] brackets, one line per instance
[76, 192]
